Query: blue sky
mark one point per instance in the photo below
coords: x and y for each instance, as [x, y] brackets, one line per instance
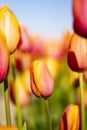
[47, 17]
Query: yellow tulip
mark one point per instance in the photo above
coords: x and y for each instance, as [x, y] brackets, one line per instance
[10, 26]
[71, 118]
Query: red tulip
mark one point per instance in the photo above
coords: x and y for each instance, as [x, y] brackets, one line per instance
[4, 57]
[42, 83]
[77, 54]
[80, 17]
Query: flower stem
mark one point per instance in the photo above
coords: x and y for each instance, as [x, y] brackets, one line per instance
[48, 114]
[18, 108]
[82, 102]
[7, 105]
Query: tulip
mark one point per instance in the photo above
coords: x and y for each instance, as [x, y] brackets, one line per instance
[80, 17]
[22, 60]
[77, 53]
[8, 128]
[42, 83]
[23, 96]
[4, 57]
[10, 26]
[53, 66]
[25, 42]
[70, 119]
[38, 47]
[26, 80]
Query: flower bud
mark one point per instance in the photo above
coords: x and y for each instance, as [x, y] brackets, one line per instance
[23, 96]
[71, 118]
[9, 25]
[77, 53]
[25, 42]
[80, 17]
[4, 57]
[42, 83]
[8, 128]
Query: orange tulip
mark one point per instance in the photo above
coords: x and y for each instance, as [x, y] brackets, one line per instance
[10, 26]
[80, 17]
[77, 54]
[70, 119]
[4, 57]
[42, 83]
[8, 128]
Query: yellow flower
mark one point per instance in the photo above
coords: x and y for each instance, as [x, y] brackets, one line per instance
[10, 26]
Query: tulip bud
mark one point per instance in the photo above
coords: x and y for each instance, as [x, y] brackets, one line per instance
[25, 42]
[42, 83]
[71, 118]
[4, 57]
[77, 54]
[23, 96]
[9, 25]
[8, 128]
[80, 17]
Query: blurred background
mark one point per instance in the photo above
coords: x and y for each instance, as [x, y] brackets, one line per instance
[49, 19]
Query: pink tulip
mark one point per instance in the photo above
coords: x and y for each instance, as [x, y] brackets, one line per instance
[77, 54]
[4, 57]
[80, 17]
[25, 42]
[42, 83]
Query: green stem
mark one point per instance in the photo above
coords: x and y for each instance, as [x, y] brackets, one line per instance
[48, 114]
[82, 102]
[19, 113]
[7, 105]
[18, 108]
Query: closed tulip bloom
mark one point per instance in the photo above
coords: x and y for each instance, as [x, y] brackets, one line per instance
[77, 54]
[23, 95]
[4, 57]
[25, 42]
[42, 83]
[71, 118]
[8, 128]
[80, 17]
[10, 26]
